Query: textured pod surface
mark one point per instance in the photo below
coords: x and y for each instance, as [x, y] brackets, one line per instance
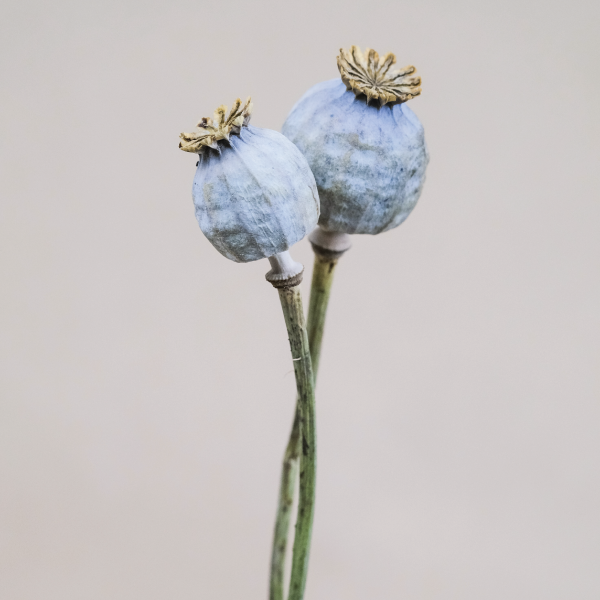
[369, 161]
[256, 197]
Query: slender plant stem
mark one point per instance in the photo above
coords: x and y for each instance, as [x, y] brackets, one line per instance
[317, 309]
[287, 491]
[291, 303]
[319, 298]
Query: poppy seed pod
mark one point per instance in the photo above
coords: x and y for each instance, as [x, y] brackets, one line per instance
[254, 193]
[365, 147]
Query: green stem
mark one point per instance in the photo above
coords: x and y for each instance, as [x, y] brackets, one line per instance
[287, 490]
[317, 309]
[291, 303]
[319, 298]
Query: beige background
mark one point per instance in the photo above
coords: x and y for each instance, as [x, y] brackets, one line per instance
[146, 381]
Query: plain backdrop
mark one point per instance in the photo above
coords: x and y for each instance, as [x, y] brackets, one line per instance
[146, 382]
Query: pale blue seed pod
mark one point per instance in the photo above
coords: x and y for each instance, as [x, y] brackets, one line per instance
[254, 193]
[366, 148]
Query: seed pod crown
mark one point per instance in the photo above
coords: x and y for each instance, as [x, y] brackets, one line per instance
[210, 131]
[372, 76]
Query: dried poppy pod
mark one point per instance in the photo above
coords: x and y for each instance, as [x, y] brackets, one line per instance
[254, 192]
[365, 147]
[256, 196]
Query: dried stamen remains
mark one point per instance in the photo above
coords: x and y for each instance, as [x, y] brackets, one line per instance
[371, 75]
[210, 131]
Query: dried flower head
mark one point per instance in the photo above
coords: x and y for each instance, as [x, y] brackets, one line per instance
[371, 75]
[210, 131]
